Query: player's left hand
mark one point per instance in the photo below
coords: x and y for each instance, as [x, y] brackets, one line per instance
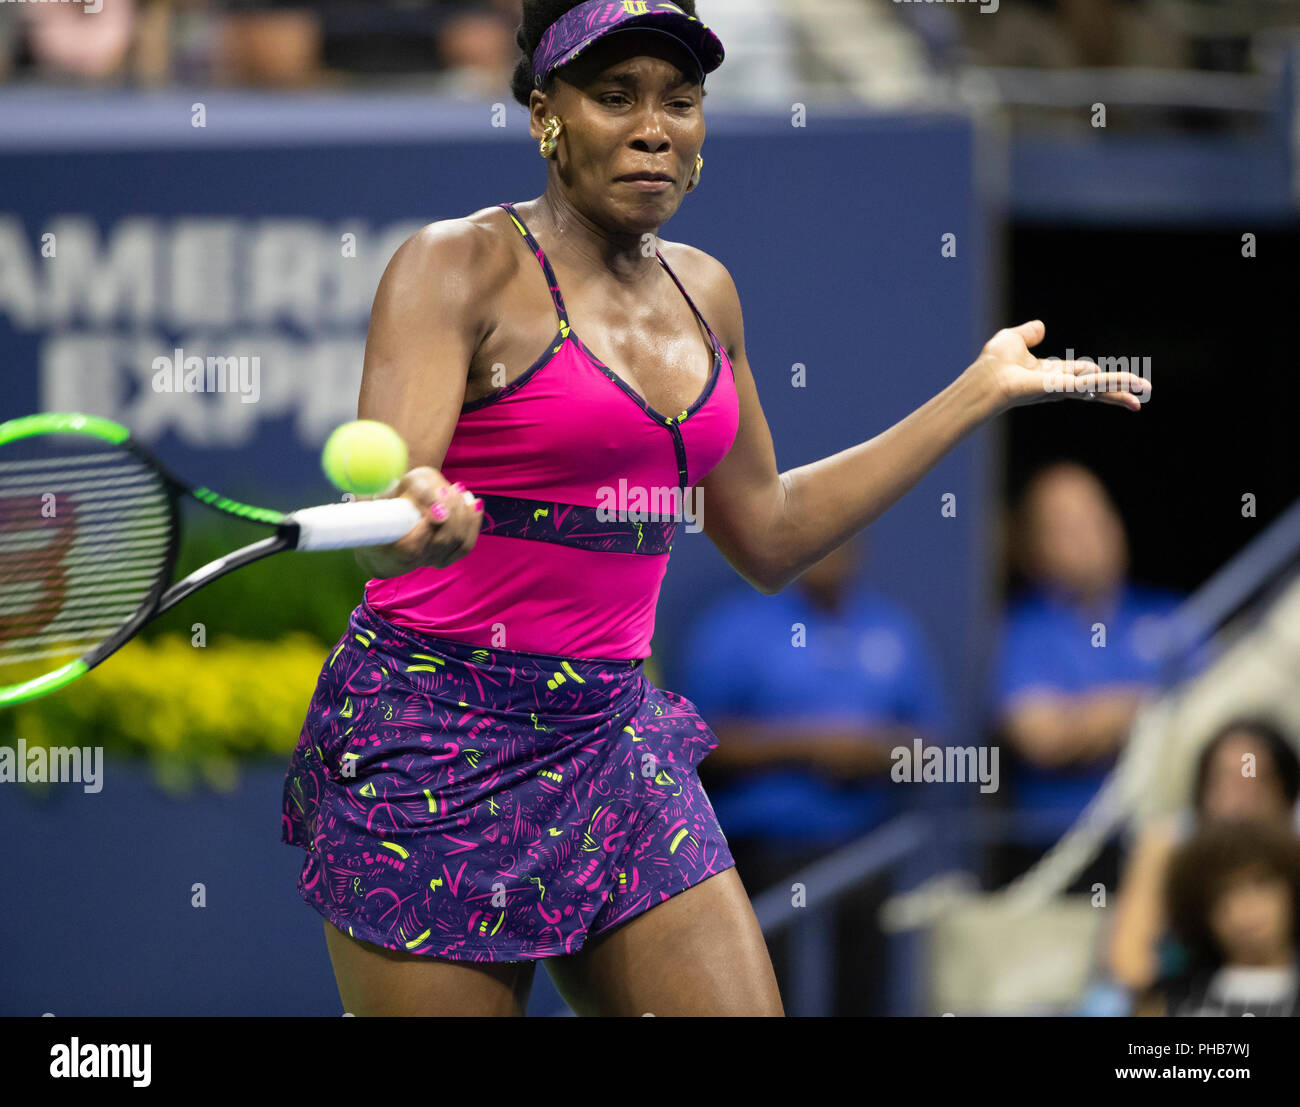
[1013, 377]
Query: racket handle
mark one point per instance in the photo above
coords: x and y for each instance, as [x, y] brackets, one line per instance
[347, 526]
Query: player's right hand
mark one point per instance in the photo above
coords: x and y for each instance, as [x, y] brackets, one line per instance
[448, 527]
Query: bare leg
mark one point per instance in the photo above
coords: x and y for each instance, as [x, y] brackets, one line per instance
[699, 953]
[377, 981]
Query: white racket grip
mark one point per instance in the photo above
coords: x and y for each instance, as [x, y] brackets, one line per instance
[347, 526]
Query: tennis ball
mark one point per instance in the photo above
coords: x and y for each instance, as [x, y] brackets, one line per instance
[364, 457]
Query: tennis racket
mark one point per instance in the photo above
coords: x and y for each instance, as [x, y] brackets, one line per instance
[89, 531]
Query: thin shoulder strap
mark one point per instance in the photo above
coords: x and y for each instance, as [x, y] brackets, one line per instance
[553, 284]
[682, 288]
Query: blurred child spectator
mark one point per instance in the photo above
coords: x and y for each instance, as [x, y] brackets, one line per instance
[808, 692]
[1233, 900]
[1248, 770]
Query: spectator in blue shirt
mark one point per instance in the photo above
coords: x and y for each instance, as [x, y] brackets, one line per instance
[1078, 650]
[809, 691]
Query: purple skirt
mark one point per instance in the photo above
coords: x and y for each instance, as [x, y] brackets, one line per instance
[492, 805]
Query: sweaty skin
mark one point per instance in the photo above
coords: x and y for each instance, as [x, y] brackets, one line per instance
[460, 312]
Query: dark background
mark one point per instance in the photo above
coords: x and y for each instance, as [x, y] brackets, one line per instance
[1219, 330]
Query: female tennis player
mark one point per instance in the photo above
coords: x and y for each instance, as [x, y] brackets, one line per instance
[486, 778]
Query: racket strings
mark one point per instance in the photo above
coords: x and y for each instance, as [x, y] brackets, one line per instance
[84, 539]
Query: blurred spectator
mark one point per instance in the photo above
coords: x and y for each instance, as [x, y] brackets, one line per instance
[8, 39]
[1065, 34]
[460, 49]
[1248, 770]
[759, 38]
[66, 40]
[808, 692]
[477, 51]
[268, 42]
[1233, 899]
[1078, 647]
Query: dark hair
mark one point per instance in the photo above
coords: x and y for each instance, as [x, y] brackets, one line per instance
[1200, 870]
[538, 16]
[1273, 742]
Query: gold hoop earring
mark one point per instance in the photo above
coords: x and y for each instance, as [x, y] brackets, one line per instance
[550, 136]
[694, 182]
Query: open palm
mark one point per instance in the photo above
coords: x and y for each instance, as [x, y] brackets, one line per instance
[1019, 379]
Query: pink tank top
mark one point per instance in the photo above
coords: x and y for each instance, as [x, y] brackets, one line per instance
[583, 486]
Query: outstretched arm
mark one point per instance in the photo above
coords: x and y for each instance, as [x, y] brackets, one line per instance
[771, 526]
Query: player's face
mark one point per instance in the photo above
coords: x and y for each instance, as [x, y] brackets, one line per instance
[631, 106]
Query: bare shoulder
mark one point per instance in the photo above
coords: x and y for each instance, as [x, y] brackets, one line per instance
[469, 251]
[712, 289]
[448, 276]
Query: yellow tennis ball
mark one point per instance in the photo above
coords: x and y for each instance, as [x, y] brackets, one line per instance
[364, 457]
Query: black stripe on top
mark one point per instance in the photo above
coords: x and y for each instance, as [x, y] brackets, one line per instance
[587, 528]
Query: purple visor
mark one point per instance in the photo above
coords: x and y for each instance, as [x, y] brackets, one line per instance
[579, 27]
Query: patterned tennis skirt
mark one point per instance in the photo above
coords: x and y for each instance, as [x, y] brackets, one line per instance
[493, 805]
